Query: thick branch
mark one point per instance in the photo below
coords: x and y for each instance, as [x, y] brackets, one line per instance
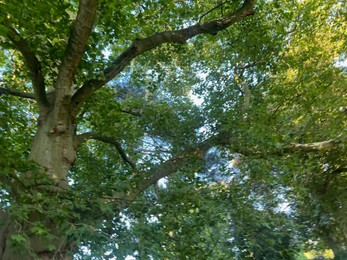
[174, 164]
[34, 66]
[76, 43]
[143, 180]
[87, 136]
[5, 91]
[324, 146]
[142, 45]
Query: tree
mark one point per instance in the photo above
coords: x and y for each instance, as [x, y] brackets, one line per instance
[81, 80]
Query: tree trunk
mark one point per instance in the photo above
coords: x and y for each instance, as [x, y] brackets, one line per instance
[54, 149]
[35, 248]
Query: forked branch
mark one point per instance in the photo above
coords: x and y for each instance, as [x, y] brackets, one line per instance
[174, 164]
[34, 66]
[223, 139]
[76, 43]
[141, 180]
[88, 136]
[140, 46]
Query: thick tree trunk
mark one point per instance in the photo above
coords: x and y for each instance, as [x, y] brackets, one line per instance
[54, 149]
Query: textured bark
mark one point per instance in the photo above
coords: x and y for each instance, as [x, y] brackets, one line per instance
[54, 148]
[74, 50]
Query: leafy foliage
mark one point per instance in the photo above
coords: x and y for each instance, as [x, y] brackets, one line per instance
[269, 83]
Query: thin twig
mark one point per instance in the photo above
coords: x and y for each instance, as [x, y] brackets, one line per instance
[211, 10]
[87, 136]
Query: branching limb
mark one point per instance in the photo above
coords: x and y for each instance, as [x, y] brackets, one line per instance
[172, 165]
[143, 180]
[76, 43]
[5, 91]
[143, 45]
[34, 66]
[323, 146]
[87, 136]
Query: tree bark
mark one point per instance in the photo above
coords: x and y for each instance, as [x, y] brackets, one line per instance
[54, 150]
[54, 147]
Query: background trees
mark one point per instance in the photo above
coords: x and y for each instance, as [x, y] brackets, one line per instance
[109, 91]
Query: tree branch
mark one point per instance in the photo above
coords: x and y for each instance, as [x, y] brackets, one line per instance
[140, 46]
[34, 66]
[211, 10]
[172, 165]
[88, 136]
[75, 46]
[5, 91]
[130, 112]
[323, 146]
[143, 180]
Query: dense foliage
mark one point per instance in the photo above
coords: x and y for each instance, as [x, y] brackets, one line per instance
[231, 145]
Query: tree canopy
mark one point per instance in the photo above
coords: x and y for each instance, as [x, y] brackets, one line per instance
[183, 129]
